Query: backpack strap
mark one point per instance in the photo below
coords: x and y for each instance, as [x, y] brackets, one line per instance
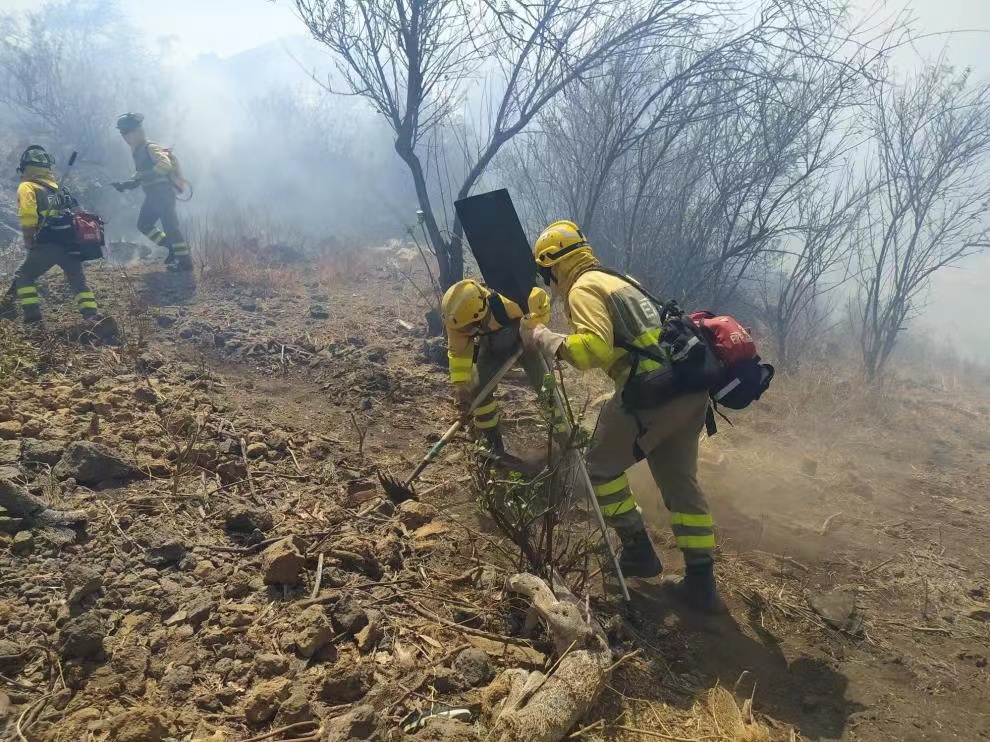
[499, 312]
[711, 427]
[667, 308]
[59, 192]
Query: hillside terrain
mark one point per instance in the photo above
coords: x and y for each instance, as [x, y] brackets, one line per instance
[241, 575]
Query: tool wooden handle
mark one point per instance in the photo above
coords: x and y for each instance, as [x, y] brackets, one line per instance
[456, 425]
[493, 382]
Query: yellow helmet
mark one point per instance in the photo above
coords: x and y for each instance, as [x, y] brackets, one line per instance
[559, 240]
[464, 303]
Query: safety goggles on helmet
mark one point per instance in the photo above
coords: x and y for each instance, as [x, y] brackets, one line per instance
[35, 156]
[557, 241]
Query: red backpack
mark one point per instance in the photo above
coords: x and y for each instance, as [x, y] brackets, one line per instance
[89, 236]
[731, 341]
[744, 377]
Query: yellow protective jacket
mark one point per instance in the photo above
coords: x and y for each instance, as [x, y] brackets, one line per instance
[152, 163]
[460, 345]
[27, 195]
[605, 311]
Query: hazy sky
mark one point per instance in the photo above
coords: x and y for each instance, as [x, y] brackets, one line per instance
[221, 27]
[226, 27]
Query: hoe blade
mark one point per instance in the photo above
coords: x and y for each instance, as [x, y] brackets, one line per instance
[396, 491]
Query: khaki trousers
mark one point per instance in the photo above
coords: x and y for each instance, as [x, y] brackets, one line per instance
[667, 437]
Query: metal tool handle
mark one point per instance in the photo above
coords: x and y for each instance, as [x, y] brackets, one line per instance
[586, 480]
[68, 167]
[459, 423]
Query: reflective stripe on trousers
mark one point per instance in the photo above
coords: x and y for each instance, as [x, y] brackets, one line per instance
[28, 296]
[693, 531]
[615, 500]
[157, 236]
[86, 302]
[487, 416]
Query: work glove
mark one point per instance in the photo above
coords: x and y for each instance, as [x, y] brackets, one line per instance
[121, 186]
[463, 396]
[540, 338]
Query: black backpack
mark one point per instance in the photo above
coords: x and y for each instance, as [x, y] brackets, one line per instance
[693, 362]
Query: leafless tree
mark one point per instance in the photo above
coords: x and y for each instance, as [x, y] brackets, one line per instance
[806, 269]
[931, 151]
[689, 166]
[67, 69]
[418, 62]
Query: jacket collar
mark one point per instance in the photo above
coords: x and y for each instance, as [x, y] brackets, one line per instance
[568, 270]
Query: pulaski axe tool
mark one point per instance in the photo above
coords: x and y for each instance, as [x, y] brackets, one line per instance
[499, 244]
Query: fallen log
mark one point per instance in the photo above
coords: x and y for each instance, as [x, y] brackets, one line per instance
[523, 706]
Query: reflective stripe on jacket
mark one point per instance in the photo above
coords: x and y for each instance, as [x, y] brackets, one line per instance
[43, 205]
[27, 196]
[604, 311]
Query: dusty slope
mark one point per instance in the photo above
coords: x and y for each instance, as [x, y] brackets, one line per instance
[195, 644]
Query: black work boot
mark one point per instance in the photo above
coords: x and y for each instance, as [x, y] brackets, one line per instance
[697, 588]
[179, 262]
[493, 438]
[639, 558]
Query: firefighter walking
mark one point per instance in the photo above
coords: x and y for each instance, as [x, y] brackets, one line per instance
[474, 315]
[157, 174]
[45, 211]
[611, 319]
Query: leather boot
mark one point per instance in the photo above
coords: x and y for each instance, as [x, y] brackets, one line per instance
[698, 590]
[493, 437]
[639, 558]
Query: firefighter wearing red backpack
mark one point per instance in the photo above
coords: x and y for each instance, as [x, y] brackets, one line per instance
[157, 172]
[46, 214]
[662, 369]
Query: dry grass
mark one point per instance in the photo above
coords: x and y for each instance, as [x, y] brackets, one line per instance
[682, 714]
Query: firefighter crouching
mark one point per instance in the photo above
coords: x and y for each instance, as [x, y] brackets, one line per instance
[607, 312]
[45, 211]
[158, 176]
[474, 314]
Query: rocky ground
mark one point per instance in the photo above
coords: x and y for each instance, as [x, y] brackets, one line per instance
[241, 575]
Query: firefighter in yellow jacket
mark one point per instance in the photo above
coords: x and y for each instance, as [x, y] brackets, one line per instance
[45, 211]
[158, 176]
[474, 315]
[609, 314]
